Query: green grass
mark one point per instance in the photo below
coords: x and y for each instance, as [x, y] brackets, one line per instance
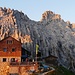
[61, 71]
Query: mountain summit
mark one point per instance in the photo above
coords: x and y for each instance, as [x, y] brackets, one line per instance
[49, 15]
[52, 34]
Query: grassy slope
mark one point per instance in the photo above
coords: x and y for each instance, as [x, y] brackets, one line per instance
[61, 71]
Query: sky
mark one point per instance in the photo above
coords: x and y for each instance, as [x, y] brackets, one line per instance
[35, 8]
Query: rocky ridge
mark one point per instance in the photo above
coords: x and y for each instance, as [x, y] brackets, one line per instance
[52, 34]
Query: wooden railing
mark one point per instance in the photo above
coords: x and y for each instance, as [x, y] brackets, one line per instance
[14, 63]
[22, 63]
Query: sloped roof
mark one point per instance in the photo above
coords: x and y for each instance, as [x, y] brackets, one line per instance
[50, 56]
[10, 37]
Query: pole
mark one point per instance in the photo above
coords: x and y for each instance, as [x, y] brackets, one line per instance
[36, 51]
[36, 58]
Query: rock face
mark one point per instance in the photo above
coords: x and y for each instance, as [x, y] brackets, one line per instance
[52, 34]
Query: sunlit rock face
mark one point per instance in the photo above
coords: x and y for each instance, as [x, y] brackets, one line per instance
[52, 34]
[49, 16]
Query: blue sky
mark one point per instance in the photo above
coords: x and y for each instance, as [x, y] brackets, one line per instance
[34, 8]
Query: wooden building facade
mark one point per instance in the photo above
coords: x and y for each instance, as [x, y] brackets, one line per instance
[10, 50]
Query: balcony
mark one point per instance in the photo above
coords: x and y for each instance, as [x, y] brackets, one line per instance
[14, 63]
[22, 63]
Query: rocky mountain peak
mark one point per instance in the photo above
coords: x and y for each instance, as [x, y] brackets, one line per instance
[49, 15]
[4, 11]
[10, 22]
[12, 13]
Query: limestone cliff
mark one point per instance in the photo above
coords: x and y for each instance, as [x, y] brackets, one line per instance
[52, 34]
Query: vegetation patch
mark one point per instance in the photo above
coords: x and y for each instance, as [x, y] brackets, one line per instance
[61, 71]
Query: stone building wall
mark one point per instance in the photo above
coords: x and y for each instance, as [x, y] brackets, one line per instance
[6, 68]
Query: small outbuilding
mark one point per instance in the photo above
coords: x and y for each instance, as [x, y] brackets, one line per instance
[52, 60]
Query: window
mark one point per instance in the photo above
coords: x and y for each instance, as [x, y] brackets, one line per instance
[12, 59]
[9, 42]
[4, 49]
[4, 59]
[13, 49]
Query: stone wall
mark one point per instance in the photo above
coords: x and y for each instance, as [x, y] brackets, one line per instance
[6, 68]
[14, 69]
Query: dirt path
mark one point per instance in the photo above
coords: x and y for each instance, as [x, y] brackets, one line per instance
[52, 69]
